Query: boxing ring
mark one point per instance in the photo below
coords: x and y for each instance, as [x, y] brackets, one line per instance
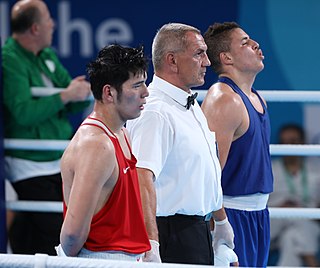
[43, 260]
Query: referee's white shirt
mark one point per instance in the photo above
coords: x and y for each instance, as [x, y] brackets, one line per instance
[178, 147]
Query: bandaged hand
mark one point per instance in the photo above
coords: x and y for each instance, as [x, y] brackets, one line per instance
[224, 255]
[153, 254]
[222, 234]
[60, 251]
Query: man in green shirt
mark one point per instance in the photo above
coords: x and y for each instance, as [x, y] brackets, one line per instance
[29, 62]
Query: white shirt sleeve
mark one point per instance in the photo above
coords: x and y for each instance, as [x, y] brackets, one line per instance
[152, 139]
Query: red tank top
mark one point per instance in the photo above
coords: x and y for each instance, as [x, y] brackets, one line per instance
[119, 225]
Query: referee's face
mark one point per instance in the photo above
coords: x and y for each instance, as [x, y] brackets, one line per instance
[192, 61]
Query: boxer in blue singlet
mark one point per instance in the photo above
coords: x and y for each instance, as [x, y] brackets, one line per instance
[239, 116]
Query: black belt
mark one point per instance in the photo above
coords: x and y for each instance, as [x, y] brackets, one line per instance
[195, 217]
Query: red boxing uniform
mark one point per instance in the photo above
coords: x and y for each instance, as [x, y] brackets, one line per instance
[119, 225]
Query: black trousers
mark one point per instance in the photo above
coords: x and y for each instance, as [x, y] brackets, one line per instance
[185, 239]
[37, 232]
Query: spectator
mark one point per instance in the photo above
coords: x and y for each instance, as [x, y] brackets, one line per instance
[296, 184]
[28, 61]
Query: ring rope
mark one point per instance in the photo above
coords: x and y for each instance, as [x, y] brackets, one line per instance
[269, 95]
[279, 95]
[39, 145]
[275, 149]
[46, 261]
[49, 206]
[295, 149]
[36, 206]
[296, 213]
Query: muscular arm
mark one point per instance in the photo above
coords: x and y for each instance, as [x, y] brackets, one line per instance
[224, 112]
[86, 175]
[148, 198]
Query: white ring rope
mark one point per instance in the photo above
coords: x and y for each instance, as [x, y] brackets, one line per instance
[291, 95]
[279, 95]
[47, 206]
[46, 261]
[295, 149]
[269, 95]
[275, 149]
[296, 213]
[36, 206]
[40, 145]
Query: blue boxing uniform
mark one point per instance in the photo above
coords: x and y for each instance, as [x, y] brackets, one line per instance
[247, 181]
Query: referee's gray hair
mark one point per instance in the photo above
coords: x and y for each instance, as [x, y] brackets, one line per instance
[170, 37]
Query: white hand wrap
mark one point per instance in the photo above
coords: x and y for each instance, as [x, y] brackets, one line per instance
[153, 254]
[60, 251]
[222, 234]
[224, 255]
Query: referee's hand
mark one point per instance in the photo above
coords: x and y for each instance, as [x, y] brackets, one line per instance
[224, 256]
[222, 234]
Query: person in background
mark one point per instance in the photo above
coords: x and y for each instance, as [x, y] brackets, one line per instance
[10, 196]
[296, 184]
[178, 167]
[239, 117]
[102, 205]
[28, 62]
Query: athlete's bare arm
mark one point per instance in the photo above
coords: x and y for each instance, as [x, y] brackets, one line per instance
[89, 173]
[148, 198]
[226, 116]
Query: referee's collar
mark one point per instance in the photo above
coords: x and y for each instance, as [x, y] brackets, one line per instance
[177, 94]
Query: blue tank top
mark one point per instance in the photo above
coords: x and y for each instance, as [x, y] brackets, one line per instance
[248, 168]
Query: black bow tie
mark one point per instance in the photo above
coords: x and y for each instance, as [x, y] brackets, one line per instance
[190, 100]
